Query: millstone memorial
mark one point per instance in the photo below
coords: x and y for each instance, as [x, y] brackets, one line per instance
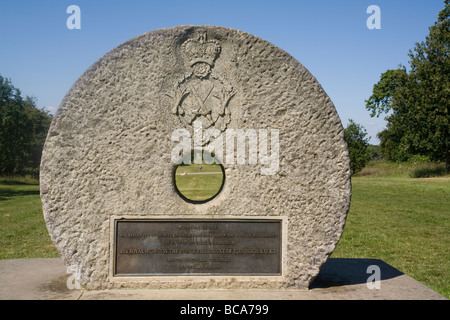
[176, 96]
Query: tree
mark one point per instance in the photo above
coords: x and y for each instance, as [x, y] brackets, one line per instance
[23, 128]
[418, 100]
[355, 135]
[374, 152]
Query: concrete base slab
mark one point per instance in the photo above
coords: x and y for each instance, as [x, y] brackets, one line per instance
[339, 279]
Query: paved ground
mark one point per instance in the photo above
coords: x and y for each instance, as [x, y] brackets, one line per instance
[339, 279]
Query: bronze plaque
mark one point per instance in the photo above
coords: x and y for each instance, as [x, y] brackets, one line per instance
[197, 247]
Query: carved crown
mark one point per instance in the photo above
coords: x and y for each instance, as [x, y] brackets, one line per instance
[201, 49]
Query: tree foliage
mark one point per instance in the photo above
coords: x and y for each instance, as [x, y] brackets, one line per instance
[358, 145]
[23, 128]
[417, 100]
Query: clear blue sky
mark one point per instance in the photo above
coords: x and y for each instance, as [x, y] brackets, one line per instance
[43, 58]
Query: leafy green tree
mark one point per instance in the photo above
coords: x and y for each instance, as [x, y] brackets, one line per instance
[374, 152]
[358, 144]
[418, 100]
[23, 128]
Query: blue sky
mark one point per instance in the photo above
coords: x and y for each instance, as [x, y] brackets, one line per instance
[43, 58]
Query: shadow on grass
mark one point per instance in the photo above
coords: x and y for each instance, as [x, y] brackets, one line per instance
[429, 170]
[6, 194]
[382, 168]
[344, 271]
[18, 182]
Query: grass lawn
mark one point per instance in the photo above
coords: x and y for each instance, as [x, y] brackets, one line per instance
[23, 233]
[196, 168]
[401, 220]
[199, 182]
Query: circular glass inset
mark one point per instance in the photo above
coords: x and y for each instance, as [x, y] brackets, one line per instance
[199, 183]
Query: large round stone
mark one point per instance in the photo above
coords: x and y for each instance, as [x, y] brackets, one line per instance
[109, 154]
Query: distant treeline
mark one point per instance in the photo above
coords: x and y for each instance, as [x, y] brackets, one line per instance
[417, 100]
[23, 129]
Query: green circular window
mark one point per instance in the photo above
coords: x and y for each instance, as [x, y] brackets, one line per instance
[199, 183]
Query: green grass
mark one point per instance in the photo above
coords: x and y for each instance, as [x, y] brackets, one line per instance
[195, 168]
[385, 169]
[198, 187]
[401, 220]
[23, 233]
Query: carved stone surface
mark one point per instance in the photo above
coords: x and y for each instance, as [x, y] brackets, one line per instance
[201, 95]
[108, 153]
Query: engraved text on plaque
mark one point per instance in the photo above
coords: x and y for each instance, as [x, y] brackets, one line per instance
[197, 247]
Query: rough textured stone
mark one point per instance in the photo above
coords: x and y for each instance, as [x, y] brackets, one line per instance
[108, 153]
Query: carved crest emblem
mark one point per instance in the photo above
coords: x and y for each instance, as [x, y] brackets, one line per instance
[202, 94]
